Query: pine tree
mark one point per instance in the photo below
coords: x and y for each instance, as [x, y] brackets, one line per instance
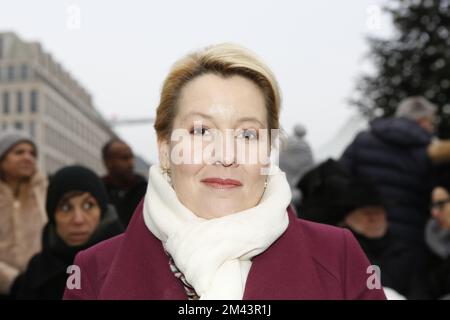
[416, 61]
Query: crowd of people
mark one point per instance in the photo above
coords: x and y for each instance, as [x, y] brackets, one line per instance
[45, 222]
[390, 188]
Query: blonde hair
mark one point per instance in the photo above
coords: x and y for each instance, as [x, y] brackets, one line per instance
[222, 59]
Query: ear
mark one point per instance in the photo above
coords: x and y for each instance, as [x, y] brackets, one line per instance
[107, 164]
[164, 153]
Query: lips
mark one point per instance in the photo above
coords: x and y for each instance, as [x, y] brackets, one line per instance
[78, 235]
[219, 183]
[26, 165]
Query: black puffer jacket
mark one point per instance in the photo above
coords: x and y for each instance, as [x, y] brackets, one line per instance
[393, 154]
[125, 200]
[396, 260]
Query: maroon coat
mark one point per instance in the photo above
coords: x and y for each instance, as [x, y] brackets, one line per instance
[309, 261]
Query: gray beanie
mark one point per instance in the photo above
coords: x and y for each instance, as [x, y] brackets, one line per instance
[299, 130]
[10, 138]
[416, 107]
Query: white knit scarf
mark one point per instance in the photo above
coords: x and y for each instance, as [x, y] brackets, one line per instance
[214, 254]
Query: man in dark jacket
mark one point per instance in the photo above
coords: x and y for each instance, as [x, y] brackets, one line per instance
[125, 188]
[394, 154]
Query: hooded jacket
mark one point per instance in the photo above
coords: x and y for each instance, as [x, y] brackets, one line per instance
[393, 154]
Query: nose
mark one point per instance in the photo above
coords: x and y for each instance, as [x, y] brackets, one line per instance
[29, 156]
[435, 212]
[130, 164]
[226, 165]
[224, 151]
[373, 217]
[78, 217]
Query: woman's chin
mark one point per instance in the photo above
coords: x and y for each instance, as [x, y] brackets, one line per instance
[215, 210]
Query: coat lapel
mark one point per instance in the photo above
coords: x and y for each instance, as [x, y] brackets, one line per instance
[140, 269]
[285, 271]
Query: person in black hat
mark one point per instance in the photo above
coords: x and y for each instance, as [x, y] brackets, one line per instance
[330, 195]
[79, 217]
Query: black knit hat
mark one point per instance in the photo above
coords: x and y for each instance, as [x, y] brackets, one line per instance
[329, 193]
[441, 176]
[74, 178]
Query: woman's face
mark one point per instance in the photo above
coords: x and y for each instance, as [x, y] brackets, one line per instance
[216, 161]
[76, 218]
[20, 162]
[440, 209]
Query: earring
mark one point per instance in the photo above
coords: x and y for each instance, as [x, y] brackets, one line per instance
[166, 172]
[265, 184]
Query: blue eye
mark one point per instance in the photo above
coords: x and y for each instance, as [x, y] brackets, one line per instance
[200, 131]
[248, 134]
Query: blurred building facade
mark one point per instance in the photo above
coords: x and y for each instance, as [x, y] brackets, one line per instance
[39, 96]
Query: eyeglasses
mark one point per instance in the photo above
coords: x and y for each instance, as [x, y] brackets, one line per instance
[439, 205]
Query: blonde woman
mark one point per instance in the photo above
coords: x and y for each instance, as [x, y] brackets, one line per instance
[214, 224]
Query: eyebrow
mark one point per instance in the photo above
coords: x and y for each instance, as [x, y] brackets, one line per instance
[84, 196]
[87, 196]
[207, 116]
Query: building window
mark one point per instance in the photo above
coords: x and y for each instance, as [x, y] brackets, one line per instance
[33, 102]
[18, 125]
[11, 73]
[5, 102]
[24, 72]
[32, 129]
[19, 102]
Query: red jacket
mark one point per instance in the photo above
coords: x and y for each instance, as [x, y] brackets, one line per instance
[309, 261]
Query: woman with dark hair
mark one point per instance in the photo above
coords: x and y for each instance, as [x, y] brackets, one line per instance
[434, 283]
[79, 216]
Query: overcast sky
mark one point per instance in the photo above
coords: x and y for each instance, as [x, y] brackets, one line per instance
[122, 50]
